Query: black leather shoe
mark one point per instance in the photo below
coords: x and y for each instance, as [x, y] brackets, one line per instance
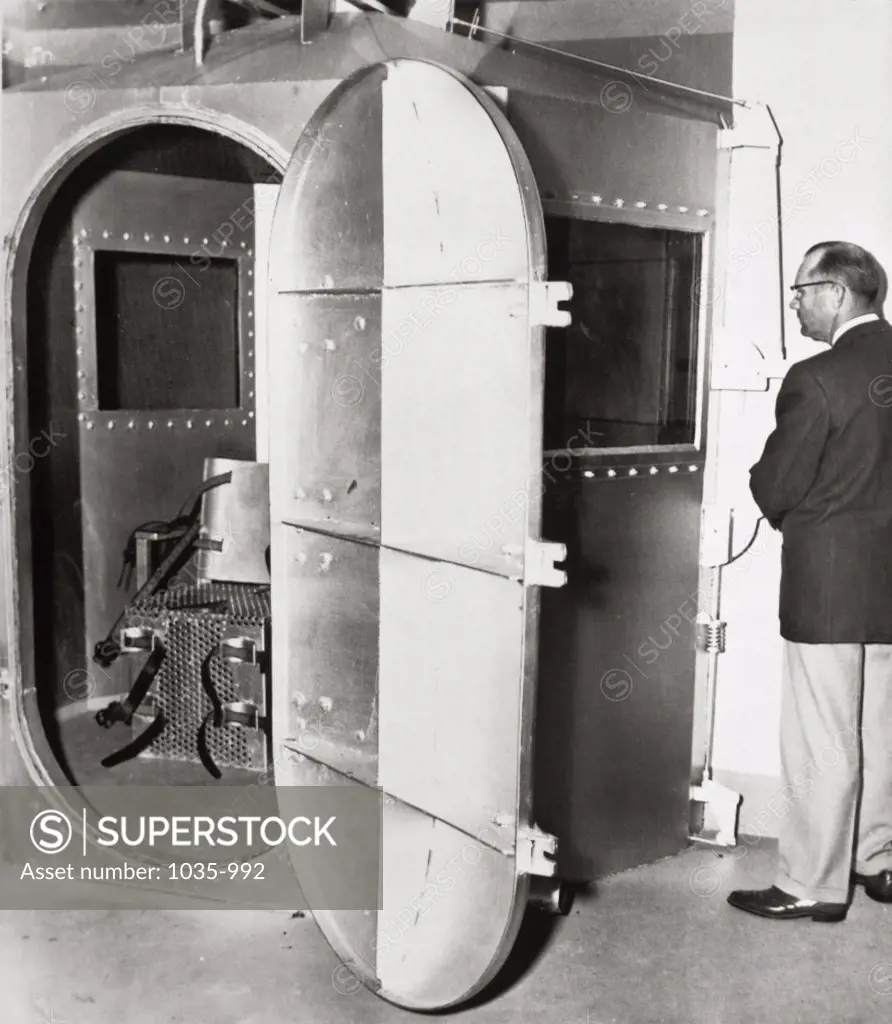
[878, 887]
[776, 903]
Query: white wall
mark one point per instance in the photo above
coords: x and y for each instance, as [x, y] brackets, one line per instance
[824, 68]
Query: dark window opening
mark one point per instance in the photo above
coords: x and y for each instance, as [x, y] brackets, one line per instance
[166, 338]
[624, 373]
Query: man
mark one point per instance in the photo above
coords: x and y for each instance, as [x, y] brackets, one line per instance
[825, 480]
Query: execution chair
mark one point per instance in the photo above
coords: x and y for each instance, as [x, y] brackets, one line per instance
[200, 619]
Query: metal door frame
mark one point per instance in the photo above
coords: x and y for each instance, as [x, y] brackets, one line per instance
[703, 226]
[17, 677]
[712, 227]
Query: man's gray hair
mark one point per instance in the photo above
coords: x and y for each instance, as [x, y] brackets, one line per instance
[851, 265]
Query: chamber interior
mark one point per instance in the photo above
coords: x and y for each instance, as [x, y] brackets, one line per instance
[142, 356]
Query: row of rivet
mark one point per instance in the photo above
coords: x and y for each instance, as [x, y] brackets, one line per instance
[328, 344]
[300, 495]
[127, 236]
[619, 204]
[635, 471]
[325, 560]
[79, 329]
[151, 424]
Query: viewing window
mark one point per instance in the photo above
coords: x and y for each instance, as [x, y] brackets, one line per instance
[166, 338]
[625, 373]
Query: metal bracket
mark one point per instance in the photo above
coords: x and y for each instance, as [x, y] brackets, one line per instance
[539, 559]
[754, 128]
[535, 852]
[243, 714]
[138, 640]
[723, 804]
[208, 543]
[544, 299]
[729, 375]
[240, 650]
[740, 366]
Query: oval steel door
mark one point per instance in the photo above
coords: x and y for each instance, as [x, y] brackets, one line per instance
[406, 391]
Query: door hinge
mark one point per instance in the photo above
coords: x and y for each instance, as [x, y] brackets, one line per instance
[710, 635]
[536, 852]
[539, 570]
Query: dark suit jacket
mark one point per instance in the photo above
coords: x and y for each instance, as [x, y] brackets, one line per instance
[825, 480]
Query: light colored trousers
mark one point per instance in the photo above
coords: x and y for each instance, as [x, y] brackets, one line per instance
[836, 756]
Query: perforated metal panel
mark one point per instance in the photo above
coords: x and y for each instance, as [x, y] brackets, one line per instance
[192, 621]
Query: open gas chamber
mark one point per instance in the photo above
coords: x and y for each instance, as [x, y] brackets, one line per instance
[436, 311]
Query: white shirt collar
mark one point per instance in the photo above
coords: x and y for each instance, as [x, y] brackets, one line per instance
[849, 324]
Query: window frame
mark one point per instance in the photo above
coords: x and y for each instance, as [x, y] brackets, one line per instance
[699, 319]
[109, 255]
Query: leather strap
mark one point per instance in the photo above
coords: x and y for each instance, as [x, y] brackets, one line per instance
[221, 715]
[107, 650]
[144, 740]
[122, 711]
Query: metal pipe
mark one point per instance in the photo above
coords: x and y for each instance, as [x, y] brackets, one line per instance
[551, 895]
[198, 41]
[713, 610]
[690, 90]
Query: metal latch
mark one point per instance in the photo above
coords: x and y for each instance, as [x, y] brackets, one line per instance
[544, 299]
[710, 635]
[536, 852]
[239, 649]
[539, 559]
[138, 640]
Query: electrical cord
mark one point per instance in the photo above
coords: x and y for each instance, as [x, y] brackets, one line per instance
[750, 543]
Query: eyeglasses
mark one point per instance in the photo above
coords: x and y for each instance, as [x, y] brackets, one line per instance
[797, 289]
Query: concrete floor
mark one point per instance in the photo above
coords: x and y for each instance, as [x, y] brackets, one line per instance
[656, 944]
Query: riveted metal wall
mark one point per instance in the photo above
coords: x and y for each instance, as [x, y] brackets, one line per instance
[618, 650]
[139, 465]
[255, 88]
[61, 131]
[626, 165]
